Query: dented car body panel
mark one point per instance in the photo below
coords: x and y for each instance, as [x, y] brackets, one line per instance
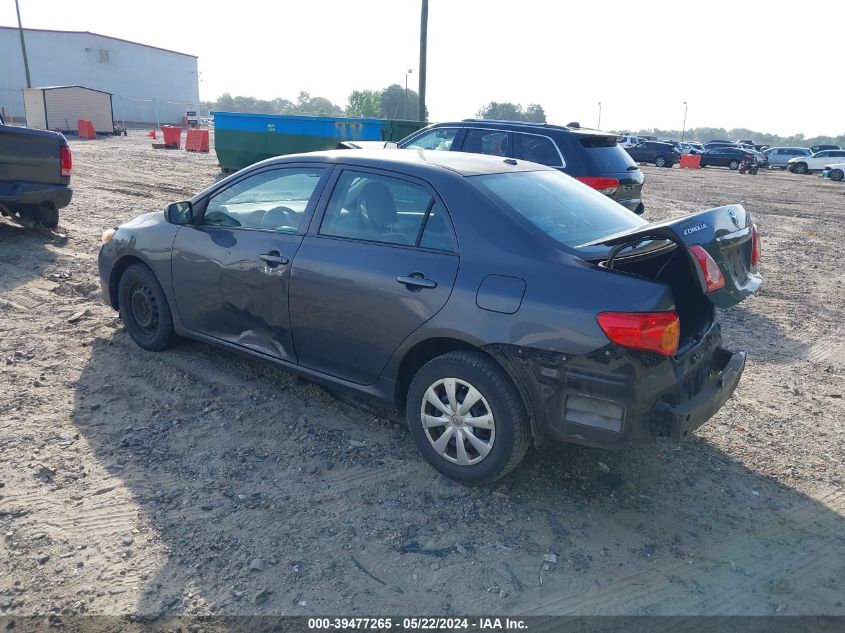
[333, 311]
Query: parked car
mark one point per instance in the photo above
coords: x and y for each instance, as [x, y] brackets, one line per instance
[714, 144]
[834, 171]
[691, 148]
[592, 157]
[35, 167]
[432, 281]
[627, 140]
[657, 152]
[821, 148]
[780, 156]
[814, 162]
[725, 157]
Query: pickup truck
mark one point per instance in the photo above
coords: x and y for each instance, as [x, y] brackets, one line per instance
[35, 168]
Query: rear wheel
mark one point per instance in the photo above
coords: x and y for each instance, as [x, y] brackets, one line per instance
[800, 168]
[660, 161]
[734, 164]
[144, 309]
[467, 418]
[836, 174]
[48, 216]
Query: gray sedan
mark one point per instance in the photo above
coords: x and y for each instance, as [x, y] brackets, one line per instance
[498, 302]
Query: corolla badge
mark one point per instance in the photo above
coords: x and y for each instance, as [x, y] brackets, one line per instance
[734, 219]
[695, 228]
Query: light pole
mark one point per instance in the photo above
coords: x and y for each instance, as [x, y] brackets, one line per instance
[423, 53]
[598, 127]
[684, 128]
[410, 71]
[23, 46]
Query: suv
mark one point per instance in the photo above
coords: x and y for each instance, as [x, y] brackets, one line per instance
[821, 148]
[815, 162]
[657, 152]
[592, 157]
[780, 156]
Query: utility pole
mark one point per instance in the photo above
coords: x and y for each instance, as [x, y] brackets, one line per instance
[684, 128]
[23, 46]
[598, 127]
[405, 109]
[423, 46]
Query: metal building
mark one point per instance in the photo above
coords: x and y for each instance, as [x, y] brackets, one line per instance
[148, 84]
[60, 107]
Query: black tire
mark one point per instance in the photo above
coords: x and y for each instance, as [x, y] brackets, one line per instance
[800, 168]
[510, 421]
[836, 174]
[48, 216]
[660, 161]
[734, 164]
[144, 309]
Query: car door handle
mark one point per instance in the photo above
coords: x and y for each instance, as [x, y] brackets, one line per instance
[417, 280]
[274, 258]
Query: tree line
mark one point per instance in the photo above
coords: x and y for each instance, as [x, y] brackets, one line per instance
[392, 102]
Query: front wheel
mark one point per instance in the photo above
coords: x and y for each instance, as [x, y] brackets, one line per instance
[144, 309]
[734, 164]
[660, 161]
[467, 418]
[836, 174]
[800, 168]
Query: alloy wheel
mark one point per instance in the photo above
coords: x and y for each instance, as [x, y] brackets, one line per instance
[458, 421]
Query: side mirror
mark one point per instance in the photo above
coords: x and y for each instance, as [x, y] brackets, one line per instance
[179, 213]
[391, 145]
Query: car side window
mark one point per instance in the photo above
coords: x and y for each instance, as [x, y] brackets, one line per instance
[376, 208]
[436, 233]
[537, 149]
[823, 154]
[271, 200]
[437, 139]
[492, 142]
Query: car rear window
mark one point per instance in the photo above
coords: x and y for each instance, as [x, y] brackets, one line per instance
[561, 207]
[605, 155]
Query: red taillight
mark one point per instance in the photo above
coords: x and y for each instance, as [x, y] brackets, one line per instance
[607, 186]
[65, 161]
[651, 331]
[713, 277]
[756, 247]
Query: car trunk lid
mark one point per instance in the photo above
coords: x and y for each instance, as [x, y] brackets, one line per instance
[725, 233]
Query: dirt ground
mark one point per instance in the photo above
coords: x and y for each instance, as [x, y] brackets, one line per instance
[198, 482]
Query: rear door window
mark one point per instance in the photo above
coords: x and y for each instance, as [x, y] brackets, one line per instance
[376, 208]
[537, 149]
[494, 142]
[605, 156]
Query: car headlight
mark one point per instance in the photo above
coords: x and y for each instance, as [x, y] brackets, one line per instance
[107, 236]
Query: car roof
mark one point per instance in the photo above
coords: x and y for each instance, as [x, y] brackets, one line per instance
[527, 125]
[419, 161]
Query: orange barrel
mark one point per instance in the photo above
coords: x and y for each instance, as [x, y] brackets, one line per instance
[172, 136]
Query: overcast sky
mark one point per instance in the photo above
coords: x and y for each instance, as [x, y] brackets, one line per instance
[763, 65]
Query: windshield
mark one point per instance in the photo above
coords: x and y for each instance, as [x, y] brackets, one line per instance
[564, 209]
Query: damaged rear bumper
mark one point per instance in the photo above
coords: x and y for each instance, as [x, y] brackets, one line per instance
[679, 420]
[615, 398]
